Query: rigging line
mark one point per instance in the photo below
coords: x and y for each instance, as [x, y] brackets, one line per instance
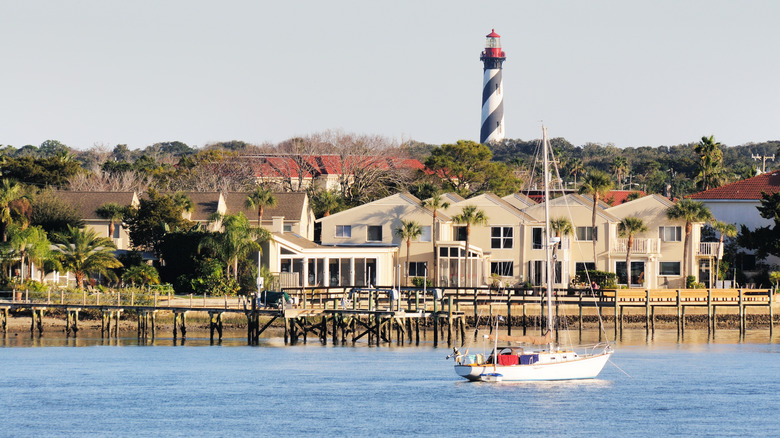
[567, 206]
[621, 369]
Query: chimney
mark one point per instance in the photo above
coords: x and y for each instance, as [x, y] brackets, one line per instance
[278, 224]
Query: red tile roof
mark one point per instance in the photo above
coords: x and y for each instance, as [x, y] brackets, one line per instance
[620, 196]
[313, 166]
[750, 188]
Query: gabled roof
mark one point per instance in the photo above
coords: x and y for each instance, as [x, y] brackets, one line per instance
[746, 189]
[576, 200]
[288, 204]
[621, 209]
[495, 200]
[452, 197]
[205, 205]
[519, 200]
[86, 203]
[396, 199]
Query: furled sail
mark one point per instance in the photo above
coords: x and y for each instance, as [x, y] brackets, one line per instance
[535, 340]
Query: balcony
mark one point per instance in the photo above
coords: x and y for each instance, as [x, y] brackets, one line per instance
[640, 246]
[709, 249]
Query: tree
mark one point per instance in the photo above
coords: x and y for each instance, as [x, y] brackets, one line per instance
[9, 192]
[691, 212]
[141, 274]
[259, 199]
[619, 167]
[435, 203]
[576, 168]
[114, 213]
[630, 227]
[237, 240]
[725, 230]
[183, 202]
[710, 172]
[155, 216]
[466, 167]
[83, 253]
[407, 231]
[597, 184]
[52, 214]
[469, 216]
[31, 245]
[325, 202]
[561, 226]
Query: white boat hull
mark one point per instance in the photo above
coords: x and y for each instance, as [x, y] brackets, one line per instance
[583, 367]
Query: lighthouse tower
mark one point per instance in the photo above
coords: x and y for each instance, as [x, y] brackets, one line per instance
[492, 90]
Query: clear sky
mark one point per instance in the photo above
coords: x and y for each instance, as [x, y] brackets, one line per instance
[632, 73]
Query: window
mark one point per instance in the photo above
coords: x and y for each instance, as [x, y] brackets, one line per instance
[426, 234]
[460, 234]
[374, 233]
[536, 238]
[503, 269]
[584, 266]
[637, 272]
[287, 228]
[668, 268]
[501, 237]
[343, 230]
[587, 233]
[417, 269]
[670, 234]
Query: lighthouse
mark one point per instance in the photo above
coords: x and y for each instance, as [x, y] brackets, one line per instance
[492, 90]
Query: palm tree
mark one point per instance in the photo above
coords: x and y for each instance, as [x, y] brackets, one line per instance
[9, 192]
[114, 213]
[576, 168]
[725, 230]
[260, 199]
[83, 252]
[182, 201]
[407, 231]
[435, 203]
[469, 216]
[236, 240]
[561, 226]
[326, 202]
[596, 184]
[629, 227]
[619, 166]
[141, 274]
[711, 163]
[30, 244]
[690, 211]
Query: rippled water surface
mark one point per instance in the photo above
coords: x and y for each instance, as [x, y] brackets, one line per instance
[722, 387]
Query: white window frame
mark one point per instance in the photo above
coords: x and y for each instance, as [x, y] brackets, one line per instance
[381, 233]
[342, 234]
[593, 231]
[679, 269]
[501, 238]
[426, 235]
[678, 234]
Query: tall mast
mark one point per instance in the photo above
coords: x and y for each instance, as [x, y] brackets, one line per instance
[547, 239]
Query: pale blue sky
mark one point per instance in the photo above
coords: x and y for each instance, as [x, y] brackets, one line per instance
[632, 73]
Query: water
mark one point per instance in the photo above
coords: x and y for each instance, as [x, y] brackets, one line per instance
[722, 388]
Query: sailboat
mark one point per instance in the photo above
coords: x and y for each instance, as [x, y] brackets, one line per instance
[512, 363]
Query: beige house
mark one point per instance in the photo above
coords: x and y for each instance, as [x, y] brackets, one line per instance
[574, 252]
[87, 204]
[657, 254]
[498, 245]
[374, 225]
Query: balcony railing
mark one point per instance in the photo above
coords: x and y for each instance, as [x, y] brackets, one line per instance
[709, 249]
[640, 246]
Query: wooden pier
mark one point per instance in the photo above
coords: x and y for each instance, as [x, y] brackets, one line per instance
[381, 315]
